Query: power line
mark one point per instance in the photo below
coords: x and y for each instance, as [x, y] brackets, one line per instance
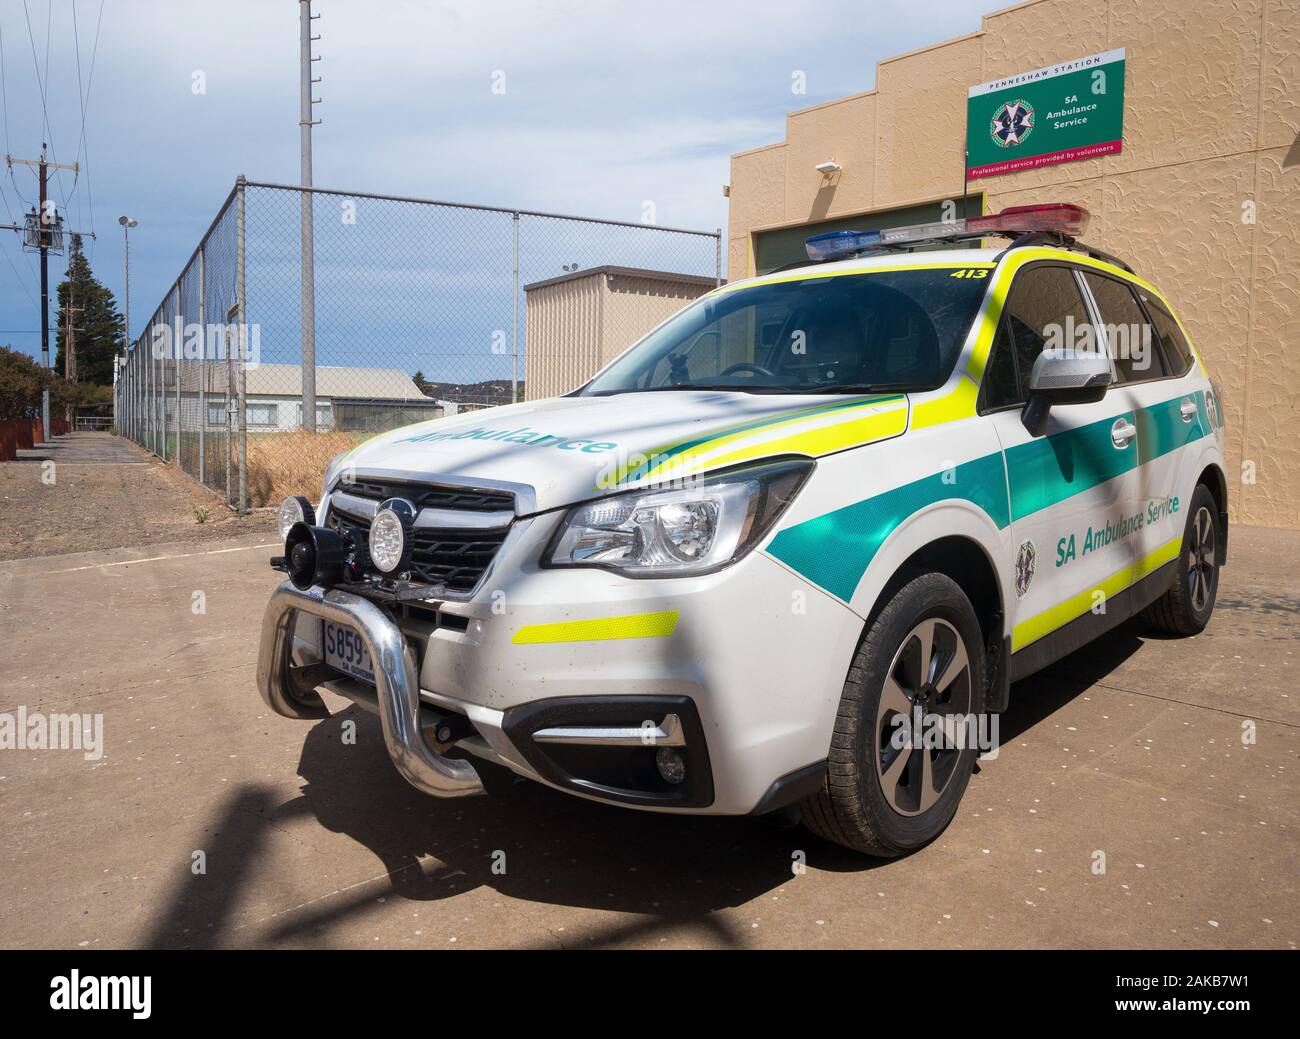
[30, 262]
[81, 99]
[4, 92]
[36, 64]
[42, 84]
[85, 105]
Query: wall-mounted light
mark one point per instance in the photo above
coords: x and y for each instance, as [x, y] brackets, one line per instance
[828, 167]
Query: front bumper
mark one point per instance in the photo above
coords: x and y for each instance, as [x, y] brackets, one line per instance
[752, 670]
[289, 688]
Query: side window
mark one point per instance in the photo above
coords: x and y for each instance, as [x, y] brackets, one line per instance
[1178, 353]
[1132, 344]
[1043, 306]
[1000, 387]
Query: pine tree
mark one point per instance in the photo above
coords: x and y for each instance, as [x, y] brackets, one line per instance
[98, 323]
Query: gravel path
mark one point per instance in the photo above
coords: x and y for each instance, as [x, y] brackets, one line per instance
[105, 492]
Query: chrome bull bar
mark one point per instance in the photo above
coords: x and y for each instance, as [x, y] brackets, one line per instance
[289, 689]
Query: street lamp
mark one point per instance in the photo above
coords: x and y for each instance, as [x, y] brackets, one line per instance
[127, 223]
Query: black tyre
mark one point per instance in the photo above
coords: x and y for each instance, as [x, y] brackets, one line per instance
[924, 650]
[1185, 609]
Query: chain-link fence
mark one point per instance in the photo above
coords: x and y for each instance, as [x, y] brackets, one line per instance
[251, 377]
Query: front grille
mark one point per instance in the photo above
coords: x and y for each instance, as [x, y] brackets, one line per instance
[456, 559]
[432, 496]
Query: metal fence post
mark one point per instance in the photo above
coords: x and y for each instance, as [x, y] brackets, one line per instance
[307, 357]
[150, 384]
[203, 366]
[177, 353]
[717, 278]
[514, 331]
[242, 340]
[231, 315]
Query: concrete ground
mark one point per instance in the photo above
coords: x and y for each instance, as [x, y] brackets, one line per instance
[208, 821]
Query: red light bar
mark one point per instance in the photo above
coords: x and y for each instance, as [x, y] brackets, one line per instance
[1058, 217]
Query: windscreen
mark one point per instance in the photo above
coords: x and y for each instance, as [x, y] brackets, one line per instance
[850, 333]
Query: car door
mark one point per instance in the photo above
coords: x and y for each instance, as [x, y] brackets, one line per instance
[1071, 492]
[1170, 414]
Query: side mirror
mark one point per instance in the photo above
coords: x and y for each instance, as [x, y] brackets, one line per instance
[1074, 377]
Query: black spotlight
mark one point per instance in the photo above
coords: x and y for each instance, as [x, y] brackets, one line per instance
[314, 555]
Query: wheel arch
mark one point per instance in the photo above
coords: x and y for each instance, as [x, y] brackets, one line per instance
[1212, 476]
[963, 544]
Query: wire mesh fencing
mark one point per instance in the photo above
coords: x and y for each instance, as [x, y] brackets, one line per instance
[308, 320]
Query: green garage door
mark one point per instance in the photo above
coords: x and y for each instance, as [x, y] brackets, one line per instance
[773, 249]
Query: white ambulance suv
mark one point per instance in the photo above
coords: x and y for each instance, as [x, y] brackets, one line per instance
[785, 554]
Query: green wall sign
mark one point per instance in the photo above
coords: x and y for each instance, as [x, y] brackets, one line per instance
[1068, 111]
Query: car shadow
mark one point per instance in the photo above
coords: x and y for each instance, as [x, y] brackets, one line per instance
[531, 843]
[1044, 693]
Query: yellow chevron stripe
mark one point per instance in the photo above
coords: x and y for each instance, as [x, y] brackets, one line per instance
[958, 403]
[632, 626]
[815, 272]
[1062, 613]
[743, 429]
[834, 432]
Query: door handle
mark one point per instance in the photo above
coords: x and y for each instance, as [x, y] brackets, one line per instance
[1122, 432]
[1187, 409]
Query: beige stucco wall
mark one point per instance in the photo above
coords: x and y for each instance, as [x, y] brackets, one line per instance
[576, 326]
[1212, 107]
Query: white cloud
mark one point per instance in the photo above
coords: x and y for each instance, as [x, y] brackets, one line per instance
[606, 104]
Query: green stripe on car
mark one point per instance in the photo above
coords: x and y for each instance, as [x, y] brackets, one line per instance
[834, 550]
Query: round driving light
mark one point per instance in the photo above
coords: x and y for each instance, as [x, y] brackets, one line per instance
[390, 536]
[295, 509]
[670, 764]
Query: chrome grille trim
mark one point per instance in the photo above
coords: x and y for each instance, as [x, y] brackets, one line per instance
[489, 523]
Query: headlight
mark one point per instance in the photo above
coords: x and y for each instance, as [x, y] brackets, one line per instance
[390, 535]
[332, 470]
[690, 530]
[296, 509]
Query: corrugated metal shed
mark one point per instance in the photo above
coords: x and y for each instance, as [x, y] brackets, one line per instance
[579, 322]
[368, 384]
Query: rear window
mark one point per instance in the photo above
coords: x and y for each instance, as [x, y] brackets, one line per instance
[899, 329]
[1129, 336]
[1177, 350]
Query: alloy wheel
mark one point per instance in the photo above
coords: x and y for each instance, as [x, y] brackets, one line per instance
[1200, 559]
[931, 674]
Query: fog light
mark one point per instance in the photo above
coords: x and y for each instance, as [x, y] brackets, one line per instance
[295, 509]
[670, 764]
[390, 535]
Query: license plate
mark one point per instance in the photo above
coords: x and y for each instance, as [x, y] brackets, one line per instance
[345, 651]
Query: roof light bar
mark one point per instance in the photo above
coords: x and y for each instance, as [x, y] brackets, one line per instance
[1058, 217]
[839, 245]
[1062, 218]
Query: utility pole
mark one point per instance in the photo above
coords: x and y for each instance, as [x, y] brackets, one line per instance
[70, 336]
[305, 123]
[44, 232]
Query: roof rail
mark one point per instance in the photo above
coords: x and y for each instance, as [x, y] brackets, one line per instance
[1063, 242]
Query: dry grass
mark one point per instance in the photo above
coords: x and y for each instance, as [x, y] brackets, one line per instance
[281, 464]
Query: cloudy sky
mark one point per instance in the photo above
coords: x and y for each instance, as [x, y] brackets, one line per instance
[606, 105]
